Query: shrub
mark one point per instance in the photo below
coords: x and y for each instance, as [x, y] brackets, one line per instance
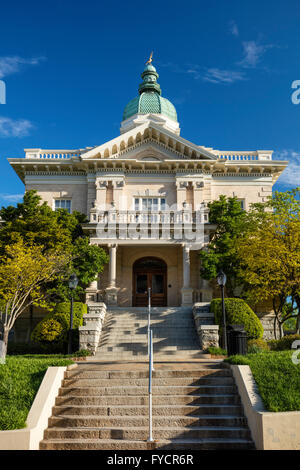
[62, 311]
[48, 330]
[55, 326]
[216, 351]
[82, 353]
[257, 346]
[284, 343]
[238, 313]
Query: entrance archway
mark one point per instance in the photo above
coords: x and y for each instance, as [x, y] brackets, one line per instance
[149, 272]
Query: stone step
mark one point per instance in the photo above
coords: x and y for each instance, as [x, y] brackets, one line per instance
[157, 352]
[158, 343]
[175, 444]
[143, 357]
[143, 400]
[70, 421]
[140, 347]
[141, 433]
[108, 374]
[156, 334]
[215, 388]
[159, 381]
[143, 410]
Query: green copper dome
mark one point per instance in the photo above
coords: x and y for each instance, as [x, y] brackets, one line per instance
[150, 99]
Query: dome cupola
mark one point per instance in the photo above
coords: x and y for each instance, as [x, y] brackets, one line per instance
[150, 105]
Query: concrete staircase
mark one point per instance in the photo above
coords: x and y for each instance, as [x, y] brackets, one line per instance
[195, 407]
[124, 335]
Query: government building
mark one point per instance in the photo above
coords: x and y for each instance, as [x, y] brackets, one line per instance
[145, 194]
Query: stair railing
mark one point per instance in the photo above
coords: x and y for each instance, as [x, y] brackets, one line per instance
[150, 438]
[150, 345]
[149, 315]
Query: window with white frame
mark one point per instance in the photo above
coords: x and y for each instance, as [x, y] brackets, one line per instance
[63, 204]
[149, 204]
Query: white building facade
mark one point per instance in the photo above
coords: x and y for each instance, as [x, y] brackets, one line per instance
[146, 194]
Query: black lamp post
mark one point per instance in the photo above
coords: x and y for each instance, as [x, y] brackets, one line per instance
[73, 283]
[221, 279]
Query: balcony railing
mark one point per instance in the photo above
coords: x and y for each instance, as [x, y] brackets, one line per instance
[144, 217]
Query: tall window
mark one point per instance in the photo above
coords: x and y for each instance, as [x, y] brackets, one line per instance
[63, 204]
[149, 204]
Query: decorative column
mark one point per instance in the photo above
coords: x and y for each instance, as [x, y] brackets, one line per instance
[118, 186]
[101, 186]
[181, 193]
[111, 291]
[186, 291]
[198, 186]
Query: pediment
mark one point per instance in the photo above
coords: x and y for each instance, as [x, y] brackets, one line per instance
[144, 138]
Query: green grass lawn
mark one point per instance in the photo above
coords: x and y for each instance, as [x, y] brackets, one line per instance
[277, 378]
[20, 379]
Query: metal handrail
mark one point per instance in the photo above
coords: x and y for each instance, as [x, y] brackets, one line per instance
[150, 438]
[151, 368]
[149, 315]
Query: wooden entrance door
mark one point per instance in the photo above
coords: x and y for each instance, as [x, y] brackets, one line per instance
[150, 273]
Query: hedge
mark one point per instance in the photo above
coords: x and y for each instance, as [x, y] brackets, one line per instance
[54, 327]
[238, 312]
[284, 343]
[257, 345]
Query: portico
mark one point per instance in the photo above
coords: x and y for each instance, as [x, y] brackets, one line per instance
[171, 271]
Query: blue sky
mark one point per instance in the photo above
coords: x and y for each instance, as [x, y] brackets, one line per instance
[70, 68]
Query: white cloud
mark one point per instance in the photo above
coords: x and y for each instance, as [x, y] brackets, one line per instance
[215, 75]
[10, 65]
[233, 28]
[11, 197]
[14, 127]
[253, 52]
[291, 175]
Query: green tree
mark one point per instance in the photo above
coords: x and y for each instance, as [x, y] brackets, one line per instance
[36, 223]
[269, 257]
[221, 253]
[23, 272]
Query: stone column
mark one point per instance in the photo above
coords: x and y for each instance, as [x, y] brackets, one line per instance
[181, 193]
[118, 193]
[186, 266]
[91, 192]
[111, 291]
[186, 291]
[198, 186]
[112, 265]
[101, 186]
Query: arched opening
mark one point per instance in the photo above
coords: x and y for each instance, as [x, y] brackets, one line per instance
[149, 273]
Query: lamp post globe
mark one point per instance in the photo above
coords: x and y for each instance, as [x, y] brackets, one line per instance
[221, 278]
[73, 283]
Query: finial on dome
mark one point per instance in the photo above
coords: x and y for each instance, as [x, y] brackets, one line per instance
[149, 77]
[149, 61]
